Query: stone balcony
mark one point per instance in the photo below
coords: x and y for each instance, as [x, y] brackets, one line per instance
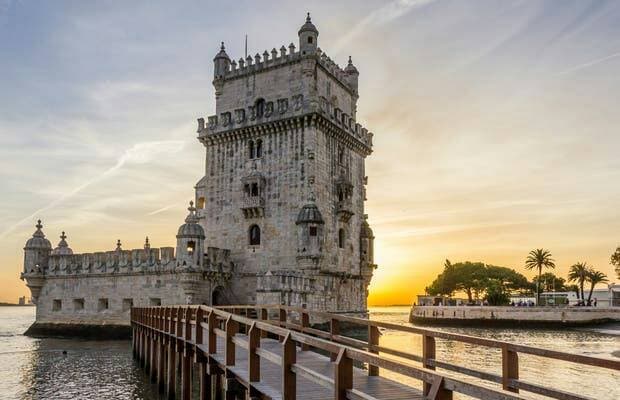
[253, 206]
[344, 210]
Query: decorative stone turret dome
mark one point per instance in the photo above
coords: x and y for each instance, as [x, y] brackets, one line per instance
[309, 214]
[308, 26]
[38, 240]
[366, 232]
[350, 68]
[222, 54]
[62, 248]
[191, 227]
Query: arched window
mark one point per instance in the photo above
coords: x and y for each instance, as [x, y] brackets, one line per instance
[259, 148]
[200, 204]
[254, 234]
[340, 156]
[340, 195]
[254, 191]
[260, 108]
[341, 238]
[309, 39]
[190, 247]
[252, 151]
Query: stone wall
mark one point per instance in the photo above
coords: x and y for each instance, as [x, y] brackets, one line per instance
[513, 315]
[106, 299]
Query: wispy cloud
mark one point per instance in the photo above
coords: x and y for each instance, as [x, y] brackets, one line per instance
[589, 64]
[161, 210]
[140, 153]
[378, 17]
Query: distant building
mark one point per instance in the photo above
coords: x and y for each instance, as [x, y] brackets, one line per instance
[22, 301]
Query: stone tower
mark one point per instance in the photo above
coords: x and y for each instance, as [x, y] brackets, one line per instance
[284, 183]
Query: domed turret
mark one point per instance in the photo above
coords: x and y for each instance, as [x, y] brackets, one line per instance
[310, 235]
[309, 214]
[190, 241]
[221, 63]
[308, 37]
[352, 74]
[62, 248]
[38, 240]
[36, 251]
[367, 239]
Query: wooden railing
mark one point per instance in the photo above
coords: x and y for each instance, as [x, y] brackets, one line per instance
[190, 332]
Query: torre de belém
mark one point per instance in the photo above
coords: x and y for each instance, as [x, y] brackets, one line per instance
[278, 216]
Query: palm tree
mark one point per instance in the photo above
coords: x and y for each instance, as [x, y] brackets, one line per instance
[595, 277]
[579, 273]
[539, 259]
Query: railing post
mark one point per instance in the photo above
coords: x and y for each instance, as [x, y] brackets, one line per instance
[289, 379]
[334, 330]
[343, 375]
[282, 320]
[172, 362]
[253, 358]
[231, 330]
[428, 354]
[373, 341]
[211, 337]
[264, 316]
[305, 323]
[510, 368]
[186, 367]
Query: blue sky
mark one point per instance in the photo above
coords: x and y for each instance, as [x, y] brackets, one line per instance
[496, 122]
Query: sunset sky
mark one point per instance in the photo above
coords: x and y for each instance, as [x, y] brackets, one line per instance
[496, 124]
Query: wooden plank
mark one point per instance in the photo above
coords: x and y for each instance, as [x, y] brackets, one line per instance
[289, 379]
[254, 335]
[510, 369]
[343, 375]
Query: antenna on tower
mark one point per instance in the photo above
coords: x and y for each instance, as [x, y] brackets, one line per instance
[246, 46]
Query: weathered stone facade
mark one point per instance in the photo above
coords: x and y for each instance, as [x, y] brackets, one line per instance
[281, 204]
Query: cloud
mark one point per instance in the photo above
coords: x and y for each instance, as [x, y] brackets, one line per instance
[161, 210]
[589, 64]
[139, 153]
[378, 17]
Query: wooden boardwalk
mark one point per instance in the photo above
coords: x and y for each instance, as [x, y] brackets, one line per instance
[256, 356]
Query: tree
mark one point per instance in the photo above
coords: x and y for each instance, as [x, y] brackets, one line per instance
[595, 277]
[539, 259]
[573, 288]
[579, 273]
[550, 282]
[497, 295]
[476, 279]
[615, 261]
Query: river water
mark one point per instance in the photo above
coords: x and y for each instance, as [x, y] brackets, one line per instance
[37, 369]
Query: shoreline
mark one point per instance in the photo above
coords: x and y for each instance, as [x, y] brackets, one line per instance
[513, 317]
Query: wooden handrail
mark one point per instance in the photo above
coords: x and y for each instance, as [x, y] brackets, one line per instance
[181, 321]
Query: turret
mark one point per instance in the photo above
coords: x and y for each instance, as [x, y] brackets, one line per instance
[63, 247]
[352, 75]
[36, 251]
[367, 239]
[310, 233]
[221, 63]
[308, 37]
[190, 242]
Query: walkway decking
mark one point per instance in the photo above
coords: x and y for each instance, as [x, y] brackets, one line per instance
[236, 357]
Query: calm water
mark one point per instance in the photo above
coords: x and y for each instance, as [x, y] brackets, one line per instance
[37, 369]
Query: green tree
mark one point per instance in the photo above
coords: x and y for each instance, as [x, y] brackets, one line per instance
[595, 277]
[579, 273]
[615, 261]
[573, 288]
[496, 293]
[539, 259]
[550, 282]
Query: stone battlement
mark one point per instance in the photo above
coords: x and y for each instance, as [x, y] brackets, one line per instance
[255, 64]
[278, 109]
